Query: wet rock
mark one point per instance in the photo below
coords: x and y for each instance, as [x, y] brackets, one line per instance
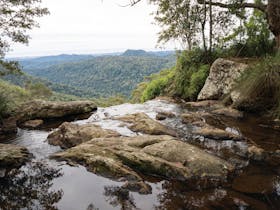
[163, 156]
[8, 126]
[12, 156]
[215, 133]
[33, 123]
[205, 104]
[140, 122]
[258, 183]
[188, 118]
[228, 112]
[69, 134]
[222, 78]
[164, 115]
[48, 109]
[256, 153]
[138, 186]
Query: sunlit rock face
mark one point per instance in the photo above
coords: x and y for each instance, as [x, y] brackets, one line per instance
[222, 78]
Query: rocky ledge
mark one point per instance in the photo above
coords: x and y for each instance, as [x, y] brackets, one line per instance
[164, 156]
[12, 156]
[49, 109]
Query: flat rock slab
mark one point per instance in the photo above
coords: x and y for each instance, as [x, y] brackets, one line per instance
[12, 156]
[33, 123]
[140, 122]
[161, 155]
[49, 109]
[69, 135]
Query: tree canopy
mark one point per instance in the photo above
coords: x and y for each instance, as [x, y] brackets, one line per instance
[16, 18]
[183, 19]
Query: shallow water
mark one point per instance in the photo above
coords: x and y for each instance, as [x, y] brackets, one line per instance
[48, 184]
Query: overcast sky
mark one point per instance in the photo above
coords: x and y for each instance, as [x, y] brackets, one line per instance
[91, 26]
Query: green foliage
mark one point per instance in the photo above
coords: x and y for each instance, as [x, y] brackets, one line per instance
[16, 17]
[3, 106]
[185, 80]
[253, 37]
[259, 87]
[38, 90]
[110, 101]
[98, 77]
[157, 85]
[190, 74]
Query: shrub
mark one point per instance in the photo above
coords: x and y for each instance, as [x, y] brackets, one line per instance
[157, 85]
[259, 87]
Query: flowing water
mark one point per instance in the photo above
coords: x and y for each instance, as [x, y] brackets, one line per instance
[47, 184]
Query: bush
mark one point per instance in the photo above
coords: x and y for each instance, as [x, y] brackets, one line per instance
[190, 75]
[259, 87]
[157, 85]
[3, 107]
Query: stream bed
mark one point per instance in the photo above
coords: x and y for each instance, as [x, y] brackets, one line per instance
[44, 183]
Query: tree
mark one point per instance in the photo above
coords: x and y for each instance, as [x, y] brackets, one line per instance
[271, 9]
[16, 17]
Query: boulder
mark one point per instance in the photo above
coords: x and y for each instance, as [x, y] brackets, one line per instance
[163, 156]
[33, 123]
[211, 132]
[50, 109]
[12, 156]
[204, 104]
[69, 135]
[140, 122]
[256, 153]
[228, 112]
[222, 78]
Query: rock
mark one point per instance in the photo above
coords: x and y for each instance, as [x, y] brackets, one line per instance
[49, 109]
[255, 183]
[228, 112]
[12, 156]
[8, 126]
[140, 122]
[188, 118]
[205, 104]
[215, 133]
[33, 123]
[222, 78]
[163, 156]
[256, 153]
[164, 115]
[69, 134]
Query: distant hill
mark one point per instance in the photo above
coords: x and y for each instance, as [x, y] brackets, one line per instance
[97, 76]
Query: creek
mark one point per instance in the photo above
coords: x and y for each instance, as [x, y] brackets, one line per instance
[44, 183]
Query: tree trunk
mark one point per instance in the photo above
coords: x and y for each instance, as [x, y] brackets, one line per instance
[273, 17]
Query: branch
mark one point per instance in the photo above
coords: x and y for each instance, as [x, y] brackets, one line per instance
[260, 7]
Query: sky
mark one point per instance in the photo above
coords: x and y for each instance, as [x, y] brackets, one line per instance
[91, 26]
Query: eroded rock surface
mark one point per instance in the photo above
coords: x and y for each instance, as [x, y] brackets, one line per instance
[222, 78]
[163, 156]
[69, 134]
[33, 123]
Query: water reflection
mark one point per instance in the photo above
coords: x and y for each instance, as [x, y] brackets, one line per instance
[117, 196]
[29, 188]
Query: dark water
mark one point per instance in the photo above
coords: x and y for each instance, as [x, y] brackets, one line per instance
[46, 184]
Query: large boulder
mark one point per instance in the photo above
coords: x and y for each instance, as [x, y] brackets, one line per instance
[39, 109]
[12, 156]
[160, 155]
[222, 78]
[140, 122]
[69, 134]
